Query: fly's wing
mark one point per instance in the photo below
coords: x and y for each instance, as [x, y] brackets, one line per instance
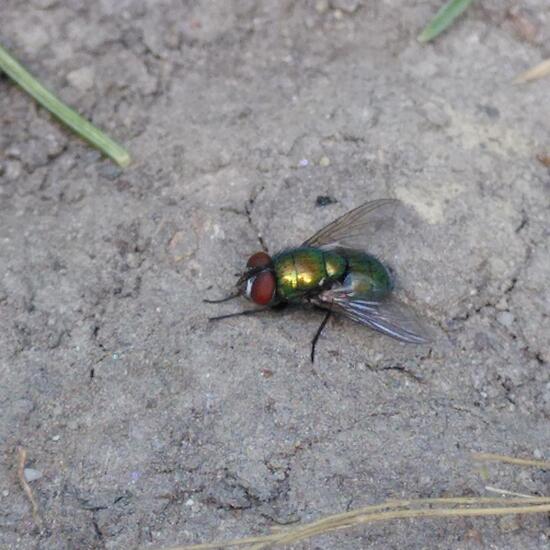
[387, 315]
[345, 230]
[383, 314]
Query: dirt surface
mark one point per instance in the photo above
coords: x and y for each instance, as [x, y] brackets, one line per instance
[146, 425]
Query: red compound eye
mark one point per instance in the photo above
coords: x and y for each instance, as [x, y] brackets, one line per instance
[260, 259]
[263, 288]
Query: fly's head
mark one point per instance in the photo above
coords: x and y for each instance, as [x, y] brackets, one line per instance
[258, 282]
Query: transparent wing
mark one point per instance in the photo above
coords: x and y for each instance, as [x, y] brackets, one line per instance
[388, 316]
[351, 226]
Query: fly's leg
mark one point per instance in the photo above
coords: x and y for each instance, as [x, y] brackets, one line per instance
[221, 300]
[238, 314]
[276, 307]
[318, 333]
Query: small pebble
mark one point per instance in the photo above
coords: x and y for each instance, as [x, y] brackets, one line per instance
[436, 115]
[44, 4]
[36, 39]
[474, 535]
[109, 170]
[22, 408]
[135, 476]
[509, 524]
[348, 6]
[324, 200]
[12, 169]
[325, 161]
[265, 165]
[172, 38]
[303, 163]
[490, 111]
[5, 493]
[82, 79]
[13, 151]
[31, 474]
[505, 318]
[56, 438]
[321, 6]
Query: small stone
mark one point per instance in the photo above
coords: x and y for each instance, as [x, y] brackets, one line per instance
[508, 524]
[82, 79]
[31, 474]
[13, 151]
[182, 245]
[324, 162]
[12, 169]
[526, 26]
[266, 373]
[109, 170]
[172, 38]
[134, 476]
[490, 111]
[56, 438]
[223, 158]
[436, 115]
[265, 165]
[34, 153]
[123, 69]
[505, 318]
[22, 408]
[5, 493]
[474, 535]
[347, 6]
[35, 39]
[324, 200]
[54, 140]
[321, 6]
[44, 4]
[303, 163]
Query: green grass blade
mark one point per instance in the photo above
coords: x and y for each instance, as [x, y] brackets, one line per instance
[443, 18]
[65, 114]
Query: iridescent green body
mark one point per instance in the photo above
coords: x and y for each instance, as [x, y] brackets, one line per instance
[366, 275]
[306, 271]
[325, 273]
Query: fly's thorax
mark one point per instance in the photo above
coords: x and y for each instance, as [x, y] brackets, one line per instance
[303, 270]
[366, 275]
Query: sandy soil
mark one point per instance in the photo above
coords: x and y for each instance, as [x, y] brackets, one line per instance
[146, 425]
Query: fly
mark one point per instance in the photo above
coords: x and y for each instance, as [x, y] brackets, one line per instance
[329, 272]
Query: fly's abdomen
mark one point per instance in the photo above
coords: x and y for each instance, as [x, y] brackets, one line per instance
[366, 275]
[303, 270]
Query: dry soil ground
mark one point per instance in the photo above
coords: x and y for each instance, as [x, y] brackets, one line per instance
[151, 427]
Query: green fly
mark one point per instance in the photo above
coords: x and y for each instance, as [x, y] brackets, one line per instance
[328, 271]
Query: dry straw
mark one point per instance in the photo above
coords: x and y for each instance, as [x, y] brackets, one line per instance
[21, 460]
[402, 509]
